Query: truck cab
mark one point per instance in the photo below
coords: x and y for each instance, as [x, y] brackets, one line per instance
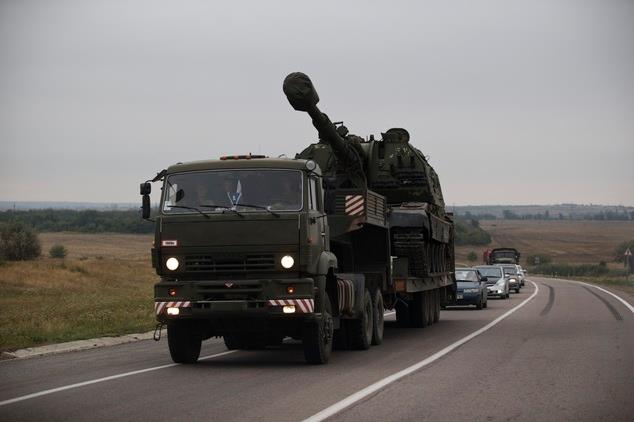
[242, 251]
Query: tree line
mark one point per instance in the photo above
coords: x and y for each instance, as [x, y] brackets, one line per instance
[85, 221]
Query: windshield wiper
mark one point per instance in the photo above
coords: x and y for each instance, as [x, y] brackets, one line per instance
[223, 207]
[259, 207]
[185, 207]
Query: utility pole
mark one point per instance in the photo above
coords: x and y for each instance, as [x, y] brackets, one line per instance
[628, 263]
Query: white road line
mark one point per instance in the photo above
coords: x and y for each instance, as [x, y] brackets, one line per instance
[98, 380]
[373, 388]
[623, 301]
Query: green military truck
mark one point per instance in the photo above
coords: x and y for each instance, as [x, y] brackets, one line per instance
[256, 249]
[503, 256]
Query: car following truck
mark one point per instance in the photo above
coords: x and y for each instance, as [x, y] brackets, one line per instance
[255, 249]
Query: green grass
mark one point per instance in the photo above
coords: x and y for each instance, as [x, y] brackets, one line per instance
[53, 301]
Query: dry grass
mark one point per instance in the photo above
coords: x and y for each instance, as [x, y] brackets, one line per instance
[571, 242]
[103, 287]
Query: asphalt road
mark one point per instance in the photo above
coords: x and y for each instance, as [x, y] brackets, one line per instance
[565, 352]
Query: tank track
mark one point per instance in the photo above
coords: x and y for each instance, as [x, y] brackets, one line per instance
[425, 257]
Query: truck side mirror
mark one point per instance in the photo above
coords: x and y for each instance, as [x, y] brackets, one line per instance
[146, 188]
[145, 206]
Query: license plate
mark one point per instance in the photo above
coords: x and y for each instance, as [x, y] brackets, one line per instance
[459, 296]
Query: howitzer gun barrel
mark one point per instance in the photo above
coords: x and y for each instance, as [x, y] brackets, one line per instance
[303, 97]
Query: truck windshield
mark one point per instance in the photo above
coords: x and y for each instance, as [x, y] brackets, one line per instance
[238, 190]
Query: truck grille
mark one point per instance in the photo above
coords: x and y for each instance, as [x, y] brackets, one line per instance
[229, 263]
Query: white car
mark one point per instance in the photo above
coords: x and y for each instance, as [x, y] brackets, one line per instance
[497, 283]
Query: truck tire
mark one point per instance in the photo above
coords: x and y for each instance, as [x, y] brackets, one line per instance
[183, 341]
[361, 328]
[436, 305]
[402, 314]
[317, 336]
[429, 297]
[378, 320]
[479, 305]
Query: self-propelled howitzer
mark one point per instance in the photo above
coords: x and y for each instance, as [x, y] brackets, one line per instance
[420, 231]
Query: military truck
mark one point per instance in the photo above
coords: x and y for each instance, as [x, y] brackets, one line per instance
[256, 249]
[503, 256]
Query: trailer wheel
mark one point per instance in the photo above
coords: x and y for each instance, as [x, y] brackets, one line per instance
[436, 305]
[317, 336]
[361, 329]
[378, 321]
[183, 341]
[429, 297]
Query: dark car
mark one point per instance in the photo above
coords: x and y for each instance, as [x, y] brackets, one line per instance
[471, 288]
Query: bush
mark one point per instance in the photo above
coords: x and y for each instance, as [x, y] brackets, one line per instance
[619, 252]
[57, 251]
[468, 234]
[18, 242]
[472, 256]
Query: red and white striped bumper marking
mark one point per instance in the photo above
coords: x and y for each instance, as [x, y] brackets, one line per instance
[302, 306]
[159, 307]
[355, 204]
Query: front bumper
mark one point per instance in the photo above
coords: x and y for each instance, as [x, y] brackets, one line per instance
[234, 299]
[464, 299]
[491, 291]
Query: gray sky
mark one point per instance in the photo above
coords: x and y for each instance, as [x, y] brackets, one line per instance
[515, 102]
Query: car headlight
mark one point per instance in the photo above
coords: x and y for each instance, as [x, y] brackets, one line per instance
[500, 283]
[512, 280]
[287, 261]
[172, 263]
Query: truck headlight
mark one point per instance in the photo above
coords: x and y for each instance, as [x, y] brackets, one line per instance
[172, 263]
[287, 261]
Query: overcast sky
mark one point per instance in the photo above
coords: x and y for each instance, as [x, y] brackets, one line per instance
[515, 102]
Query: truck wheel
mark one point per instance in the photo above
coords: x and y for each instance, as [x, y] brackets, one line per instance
[430, 306]
[317, 336]
[378, 320]
[183, 342]
[361, 329]
[486, 303]
[436, 305]
[517, 290]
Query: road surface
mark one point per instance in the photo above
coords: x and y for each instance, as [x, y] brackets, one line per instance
[555, 351]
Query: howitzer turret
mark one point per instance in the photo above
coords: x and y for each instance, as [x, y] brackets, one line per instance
[303, 97]
[390, 166]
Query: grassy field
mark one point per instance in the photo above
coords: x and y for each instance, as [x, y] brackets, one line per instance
[571, 242]
[566, 242]
[103, 287]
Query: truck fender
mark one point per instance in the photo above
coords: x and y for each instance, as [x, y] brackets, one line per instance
[326, 266]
